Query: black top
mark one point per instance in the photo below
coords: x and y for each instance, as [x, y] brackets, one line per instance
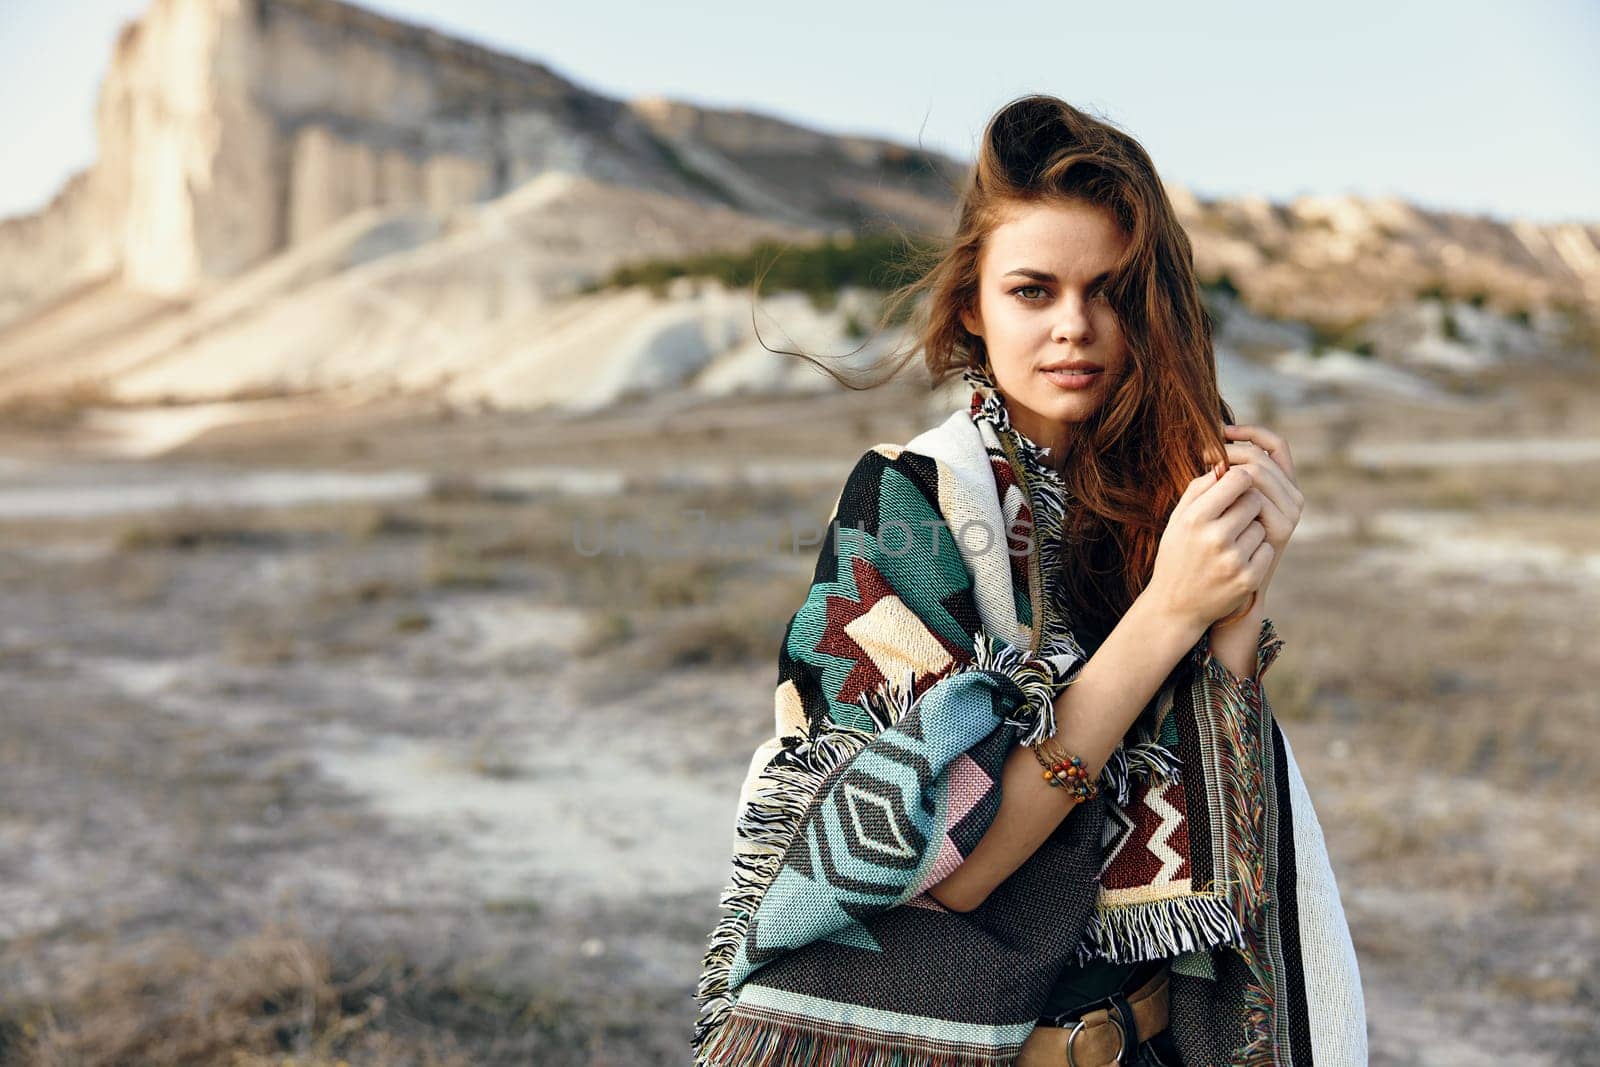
[1084, 987]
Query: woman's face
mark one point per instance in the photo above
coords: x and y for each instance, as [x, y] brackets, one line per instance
[1040, 305]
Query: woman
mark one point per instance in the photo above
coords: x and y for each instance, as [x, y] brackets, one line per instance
[1026, 801]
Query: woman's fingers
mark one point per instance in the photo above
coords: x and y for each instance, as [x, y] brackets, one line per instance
[1254, 532]
[1203, 482]
[1274, 496]
[1269, 477]
[1273, 444]
[1215, 495]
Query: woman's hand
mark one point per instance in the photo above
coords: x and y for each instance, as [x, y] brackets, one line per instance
[1266, 456]
[1213, 553]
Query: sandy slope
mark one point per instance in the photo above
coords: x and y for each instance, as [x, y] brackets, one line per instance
[384, 302]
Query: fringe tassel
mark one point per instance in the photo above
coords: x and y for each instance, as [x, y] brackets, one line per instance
[1259, 1049]
[1243, 719]
[1138, 932]
[891, 701]
[763, 830]
[1153, 760]
[748, 1042]
[752, 876]
[1147, 760]
[1040, 675]
[1114, 776]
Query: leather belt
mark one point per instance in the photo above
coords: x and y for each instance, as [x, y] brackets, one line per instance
[1100, 1037]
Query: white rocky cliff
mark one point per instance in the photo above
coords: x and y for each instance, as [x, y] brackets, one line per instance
[231, 130]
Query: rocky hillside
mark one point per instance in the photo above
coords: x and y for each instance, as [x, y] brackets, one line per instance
[1332, 259]
[234, 130]
[300, 197]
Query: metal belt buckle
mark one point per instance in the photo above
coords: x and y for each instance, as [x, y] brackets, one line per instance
[1122, 1040]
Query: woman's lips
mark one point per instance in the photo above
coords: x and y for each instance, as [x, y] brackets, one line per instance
[1073, 379]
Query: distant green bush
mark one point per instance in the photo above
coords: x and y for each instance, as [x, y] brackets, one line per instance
[1452, 330]
[1222, 285]
[1344, 336]
[875, 260]
[823, 299]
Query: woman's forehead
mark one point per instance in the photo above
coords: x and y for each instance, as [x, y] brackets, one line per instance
[1064, 240]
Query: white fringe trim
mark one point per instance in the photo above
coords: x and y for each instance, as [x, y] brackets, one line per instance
[1153, 931]
[764, 828]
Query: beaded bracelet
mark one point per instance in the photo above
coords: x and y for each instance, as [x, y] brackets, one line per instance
[1069, 774]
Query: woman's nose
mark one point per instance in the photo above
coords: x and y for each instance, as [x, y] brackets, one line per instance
[1072, 325]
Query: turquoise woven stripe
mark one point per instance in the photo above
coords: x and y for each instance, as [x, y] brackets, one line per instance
[984, 1036]
[924, 582]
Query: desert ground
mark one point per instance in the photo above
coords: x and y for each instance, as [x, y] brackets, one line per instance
[323, 740]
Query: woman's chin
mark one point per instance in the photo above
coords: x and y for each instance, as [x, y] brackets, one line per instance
[1065, 409]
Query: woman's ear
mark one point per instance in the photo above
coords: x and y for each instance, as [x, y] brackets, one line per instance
[971, 322]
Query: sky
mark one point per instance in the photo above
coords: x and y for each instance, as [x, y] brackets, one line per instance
[1488, 108]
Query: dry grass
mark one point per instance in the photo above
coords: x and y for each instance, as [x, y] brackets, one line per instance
[193, 529]
[57, 409]
[1414, 678]
[1436, 686]
[274, 998]
[745, 626]
[677, 603]
[372, 522]
[279, 998]
[456, 563]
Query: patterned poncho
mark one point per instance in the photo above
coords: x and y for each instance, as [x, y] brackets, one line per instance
[904, 681]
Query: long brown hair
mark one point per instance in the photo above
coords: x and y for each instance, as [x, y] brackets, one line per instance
[1128, 465]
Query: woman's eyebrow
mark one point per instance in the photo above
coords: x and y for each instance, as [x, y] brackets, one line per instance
[1046, 276]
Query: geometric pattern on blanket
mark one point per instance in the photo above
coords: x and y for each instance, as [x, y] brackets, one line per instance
[894, 713]
[902, 711]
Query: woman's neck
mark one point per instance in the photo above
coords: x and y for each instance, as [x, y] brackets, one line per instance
[1044, 433]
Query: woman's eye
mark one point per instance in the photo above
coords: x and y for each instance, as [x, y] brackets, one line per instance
[1097, 293]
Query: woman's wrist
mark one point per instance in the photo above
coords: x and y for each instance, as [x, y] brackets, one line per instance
[1187, 627]
[1249, 622]
[1235, 644]
[1116, 683]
